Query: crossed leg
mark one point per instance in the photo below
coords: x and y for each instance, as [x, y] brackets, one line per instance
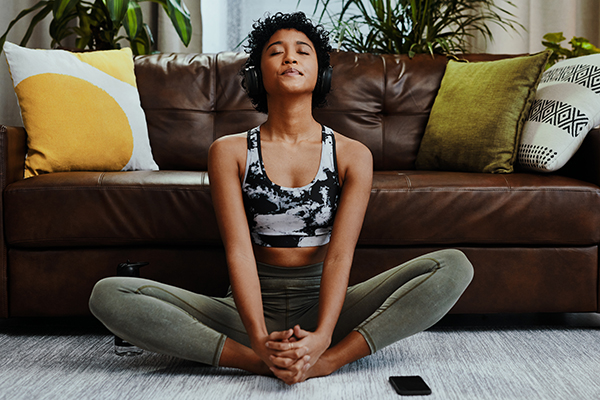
[389, 307]
[393, 305]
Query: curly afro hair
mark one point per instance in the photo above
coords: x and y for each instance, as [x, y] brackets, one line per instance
[260, 35]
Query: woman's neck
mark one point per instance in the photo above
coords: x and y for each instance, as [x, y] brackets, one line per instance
[291, 121]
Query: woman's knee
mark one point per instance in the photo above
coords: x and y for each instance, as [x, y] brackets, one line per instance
[105, 295]
[457, 264]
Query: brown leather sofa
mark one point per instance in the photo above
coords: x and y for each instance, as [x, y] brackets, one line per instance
[532, 238]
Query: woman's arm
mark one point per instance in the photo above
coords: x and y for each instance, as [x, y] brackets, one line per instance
[226, 161]
[355, 165]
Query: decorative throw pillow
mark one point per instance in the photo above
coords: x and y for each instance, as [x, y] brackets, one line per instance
[566, 108]
[478, 114]
[81, 111]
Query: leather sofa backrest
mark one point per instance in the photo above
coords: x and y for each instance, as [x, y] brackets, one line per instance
[383, 101]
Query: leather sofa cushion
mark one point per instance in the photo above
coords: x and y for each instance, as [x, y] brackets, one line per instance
[449, 208]
[406, 208]
[111, 209]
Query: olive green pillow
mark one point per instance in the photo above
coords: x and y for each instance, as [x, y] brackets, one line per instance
[478, 115]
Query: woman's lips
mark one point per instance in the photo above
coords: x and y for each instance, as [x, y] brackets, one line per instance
[291, 71]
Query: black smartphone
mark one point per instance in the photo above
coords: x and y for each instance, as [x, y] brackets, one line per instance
[410, 385]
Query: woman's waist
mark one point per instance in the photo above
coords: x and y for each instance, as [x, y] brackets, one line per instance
[290, 257]
[277, 281]
[304, 272]
[285, 282]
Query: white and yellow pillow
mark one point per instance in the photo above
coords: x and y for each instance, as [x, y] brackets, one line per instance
[81, 111]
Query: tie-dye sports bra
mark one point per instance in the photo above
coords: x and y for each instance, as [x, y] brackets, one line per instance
[290, 217]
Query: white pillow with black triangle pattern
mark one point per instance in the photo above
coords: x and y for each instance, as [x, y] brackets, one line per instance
[566, 108]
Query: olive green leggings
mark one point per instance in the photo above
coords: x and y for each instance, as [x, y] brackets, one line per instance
[389, 307]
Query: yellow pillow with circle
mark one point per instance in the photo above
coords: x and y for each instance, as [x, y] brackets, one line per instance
[81, 111]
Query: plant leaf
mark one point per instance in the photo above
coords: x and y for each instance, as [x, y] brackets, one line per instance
[117, 9]
[63, 7]
[84, 31]
[180, 16]
[60, 29]
[143, 42]
[134, 20]
[554, 37]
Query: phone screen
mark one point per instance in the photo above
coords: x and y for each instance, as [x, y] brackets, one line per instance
[410, 385]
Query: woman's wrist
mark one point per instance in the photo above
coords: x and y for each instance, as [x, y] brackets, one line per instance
[324, 334]
[258, 338]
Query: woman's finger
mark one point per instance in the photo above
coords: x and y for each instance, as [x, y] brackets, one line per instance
[294, 373]
[281, 335]
[300, 333]
[284, 346]
[286, 360]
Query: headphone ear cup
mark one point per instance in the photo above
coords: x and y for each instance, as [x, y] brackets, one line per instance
[253, 81]
[324, 85]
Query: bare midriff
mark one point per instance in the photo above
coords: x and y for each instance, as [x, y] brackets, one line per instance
[290, 257]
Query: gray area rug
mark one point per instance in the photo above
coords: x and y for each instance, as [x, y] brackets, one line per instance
[463, 357]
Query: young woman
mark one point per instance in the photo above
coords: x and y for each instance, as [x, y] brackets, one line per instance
[290, 197]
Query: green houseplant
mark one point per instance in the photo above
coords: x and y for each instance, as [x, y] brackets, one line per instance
[97, 23]
[414, 26]
[579, 47]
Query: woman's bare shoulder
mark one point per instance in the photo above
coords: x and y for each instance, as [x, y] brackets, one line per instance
[228, 153]
[231, 142]
[229, 145]
[352, 150]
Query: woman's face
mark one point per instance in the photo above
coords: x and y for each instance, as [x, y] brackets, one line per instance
[289, 63]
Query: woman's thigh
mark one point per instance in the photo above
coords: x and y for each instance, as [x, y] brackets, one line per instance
[126, 298]
[365, 300]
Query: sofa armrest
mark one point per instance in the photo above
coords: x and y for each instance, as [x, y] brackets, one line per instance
[585, 164]
[13, 147]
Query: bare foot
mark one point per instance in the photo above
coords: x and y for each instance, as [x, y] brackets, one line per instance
[353, 347]
[321, 368]
[235, 355]
[260, 368]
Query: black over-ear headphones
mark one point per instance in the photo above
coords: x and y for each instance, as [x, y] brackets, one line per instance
[254, 84]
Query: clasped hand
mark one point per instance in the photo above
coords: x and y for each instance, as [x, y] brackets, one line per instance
[292, 353]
